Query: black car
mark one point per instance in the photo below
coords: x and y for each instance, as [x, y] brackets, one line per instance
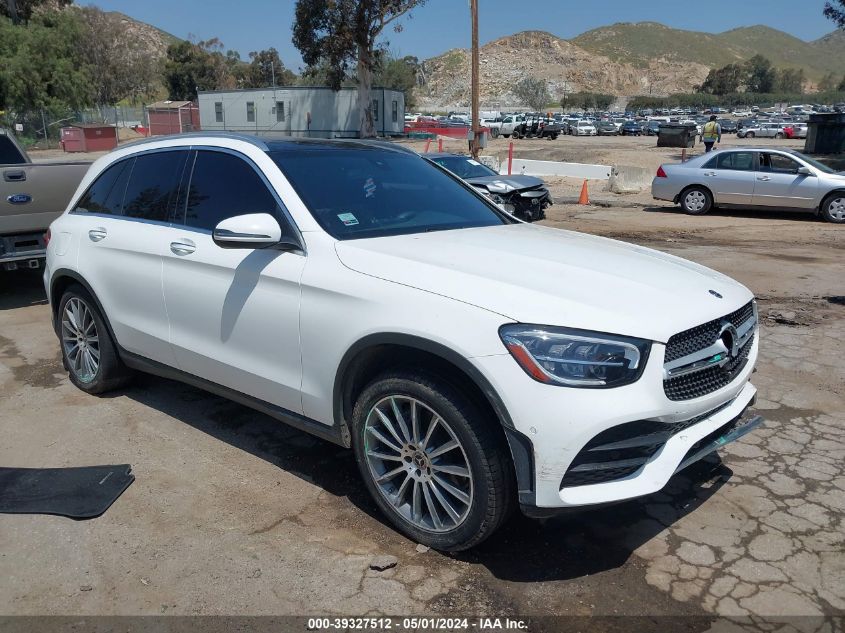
[652, 128]
[526, 197]
[630, 128]
[606, 128]
[728, 126]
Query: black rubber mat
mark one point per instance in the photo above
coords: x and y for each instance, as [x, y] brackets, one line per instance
[78, 493]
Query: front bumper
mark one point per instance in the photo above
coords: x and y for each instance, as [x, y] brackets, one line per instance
[556, 423]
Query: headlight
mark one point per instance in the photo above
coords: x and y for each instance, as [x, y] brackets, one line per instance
[575, 358]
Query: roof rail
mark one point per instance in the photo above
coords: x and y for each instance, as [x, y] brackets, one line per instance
[248, 138]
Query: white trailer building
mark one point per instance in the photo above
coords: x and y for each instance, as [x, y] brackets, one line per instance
[300, 111]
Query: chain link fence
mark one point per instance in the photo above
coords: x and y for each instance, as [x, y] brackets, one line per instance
[41, 129]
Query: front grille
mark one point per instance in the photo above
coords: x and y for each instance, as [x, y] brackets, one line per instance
[701, 336]
[621, 450]
[705, 381]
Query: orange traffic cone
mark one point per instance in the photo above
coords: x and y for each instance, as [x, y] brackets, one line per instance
[585, 196]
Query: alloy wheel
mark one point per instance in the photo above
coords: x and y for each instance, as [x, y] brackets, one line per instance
[695, 201]
[80, 340]
[418, 463]
[836, 209]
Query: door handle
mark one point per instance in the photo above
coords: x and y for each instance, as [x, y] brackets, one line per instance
[764, 178]
[95, 235]
[14, 175]
[182, 247]
[709, 173]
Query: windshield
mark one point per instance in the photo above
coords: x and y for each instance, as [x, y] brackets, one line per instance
[360, 192]
[820, 166]
[464, 167]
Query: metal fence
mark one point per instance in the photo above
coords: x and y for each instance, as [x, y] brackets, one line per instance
[41, 129]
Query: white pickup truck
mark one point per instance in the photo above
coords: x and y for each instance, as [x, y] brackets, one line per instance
[31, 197]
[509, 123]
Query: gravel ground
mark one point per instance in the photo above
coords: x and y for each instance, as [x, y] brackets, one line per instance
[232, 513]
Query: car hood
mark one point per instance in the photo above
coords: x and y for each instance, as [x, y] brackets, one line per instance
[535, 274]
[514, 182]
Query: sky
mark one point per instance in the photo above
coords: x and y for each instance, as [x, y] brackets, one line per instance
[439, 25]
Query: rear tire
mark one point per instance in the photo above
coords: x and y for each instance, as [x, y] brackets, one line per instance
[88, 352]
[448, 499]
[778, 135]
[696, 200]
[833, 208]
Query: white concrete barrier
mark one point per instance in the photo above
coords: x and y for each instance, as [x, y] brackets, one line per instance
[629, 179]
[554, 168]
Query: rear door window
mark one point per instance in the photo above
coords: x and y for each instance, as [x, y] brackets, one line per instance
[154, 185]
[105, 196]
[222, 186]
[735, 161]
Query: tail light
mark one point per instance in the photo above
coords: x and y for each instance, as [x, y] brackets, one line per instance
[47, 237]
[661, 173]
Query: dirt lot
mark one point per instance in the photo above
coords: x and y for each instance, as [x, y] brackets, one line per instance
[232, 513]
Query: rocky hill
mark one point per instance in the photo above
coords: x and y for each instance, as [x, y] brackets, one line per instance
[623, 59]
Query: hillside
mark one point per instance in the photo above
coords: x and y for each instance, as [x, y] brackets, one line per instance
[566, 67]
[154, 40]
[622, 59]
[639, 42]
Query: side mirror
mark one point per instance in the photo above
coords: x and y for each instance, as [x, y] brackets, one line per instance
[805, 171]
[253, 230]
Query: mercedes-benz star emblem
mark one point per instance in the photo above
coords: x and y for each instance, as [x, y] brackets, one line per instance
[715, 294]
[730, 338]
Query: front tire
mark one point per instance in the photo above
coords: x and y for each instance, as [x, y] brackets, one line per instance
[833, 208]
[749, 135]
[696, 201]
[88, 352]
[435, 465]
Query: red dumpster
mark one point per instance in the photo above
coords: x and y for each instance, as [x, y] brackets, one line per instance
[73, 140]
[89, 137]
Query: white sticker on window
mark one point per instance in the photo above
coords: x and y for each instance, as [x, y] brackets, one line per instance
[348, 219]
[473, 162]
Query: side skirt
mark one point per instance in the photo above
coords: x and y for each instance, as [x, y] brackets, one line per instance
[334, 434]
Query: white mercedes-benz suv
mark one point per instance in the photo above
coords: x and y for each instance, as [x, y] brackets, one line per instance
[358, 292]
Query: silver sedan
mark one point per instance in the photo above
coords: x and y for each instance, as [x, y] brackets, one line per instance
[760, 178]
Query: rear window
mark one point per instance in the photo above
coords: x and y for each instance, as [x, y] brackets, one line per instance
[370, 192]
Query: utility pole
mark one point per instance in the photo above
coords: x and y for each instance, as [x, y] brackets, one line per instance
[473, 7]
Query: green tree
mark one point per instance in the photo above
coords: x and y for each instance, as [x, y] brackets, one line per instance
[22, 10]
[117, 60]
[603, 101]
[760, 76]
[533, 92]
[837, 14]
[42, 66]
[197, 66]
[266, 69]
[790, 80]
[841, 85]
[399, 73]
[827, 83]
[338, 32]
[583, 100]
[721, 81]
